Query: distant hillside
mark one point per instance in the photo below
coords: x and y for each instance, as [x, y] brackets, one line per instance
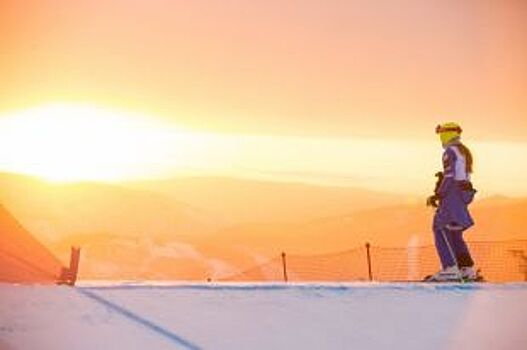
[199, 228]
[244, 245]
[184, 208]
[54, 211]
[244, 201]
[390, 226]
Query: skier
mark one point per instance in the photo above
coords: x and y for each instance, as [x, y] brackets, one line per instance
[453, 194]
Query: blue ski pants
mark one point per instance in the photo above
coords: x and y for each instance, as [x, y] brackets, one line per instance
[451, 246]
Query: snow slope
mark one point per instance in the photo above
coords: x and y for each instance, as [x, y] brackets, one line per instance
[263, 316]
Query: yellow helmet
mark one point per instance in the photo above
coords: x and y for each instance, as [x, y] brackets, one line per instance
[448, 131]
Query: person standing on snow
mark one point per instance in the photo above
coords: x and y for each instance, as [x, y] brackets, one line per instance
[453, 194]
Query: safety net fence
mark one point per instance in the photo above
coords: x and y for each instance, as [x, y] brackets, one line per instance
[499, 261]
[23, 259]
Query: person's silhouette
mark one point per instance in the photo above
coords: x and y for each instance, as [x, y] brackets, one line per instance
[453, 194]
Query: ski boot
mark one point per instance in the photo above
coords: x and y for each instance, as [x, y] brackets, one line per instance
[449, 274]
[469, 274]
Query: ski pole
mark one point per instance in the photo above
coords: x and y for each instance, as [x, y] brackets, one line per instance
[451, 251]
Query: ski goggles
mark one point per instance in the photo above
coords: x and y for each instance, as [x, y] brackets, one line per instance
[441, 129]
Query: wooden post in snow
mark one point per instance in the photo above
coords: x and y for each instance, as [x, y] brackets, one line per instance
[284, 267]
[68, 276]
[368, 257]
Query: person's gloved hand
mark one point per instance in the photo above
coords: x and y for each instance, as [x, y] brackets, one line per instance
[433, 201]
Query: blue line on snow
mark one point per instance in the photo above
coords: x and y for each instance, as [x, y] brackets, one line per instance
[142, 321]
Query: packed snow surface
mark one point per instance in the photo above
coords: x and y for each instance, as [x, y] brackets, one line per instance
[263, 316]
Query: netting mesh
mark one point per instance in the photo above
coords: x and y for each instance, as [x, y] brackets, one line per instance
[269, 271]
[22, 258]
[341, 266]
[504, 261]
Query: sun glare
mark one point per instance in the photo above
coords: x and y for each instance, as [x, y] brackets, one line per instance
[68, 143]
[75, 142]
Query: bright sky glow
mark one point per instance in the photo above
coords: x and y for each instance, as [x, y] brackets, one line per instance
[65, 142]
[69, 143]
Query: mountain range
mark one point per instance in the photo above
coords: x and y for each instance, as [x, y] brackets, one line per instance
[197, 228]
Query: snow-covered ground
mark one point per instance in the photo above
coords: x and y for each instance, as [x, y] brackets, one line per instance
[263, 316]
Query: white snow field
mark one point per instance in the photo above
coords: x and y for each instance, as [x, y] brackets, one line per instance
[264, 316]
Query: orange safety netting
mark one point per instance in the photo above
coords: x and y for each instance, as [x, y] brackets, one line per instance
[22, 258]
[504, 261]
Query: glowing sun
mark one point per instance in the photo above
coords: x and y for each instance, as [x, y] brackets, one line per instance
[77, 142]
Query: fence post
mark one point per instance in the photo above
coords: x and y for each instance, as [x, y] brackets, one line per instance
[368, 257]
[284, 267]
[74, 264]
[68, 275]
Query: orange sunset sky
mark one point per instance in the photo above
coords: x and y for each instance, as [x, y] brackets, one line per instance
[332, 92]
